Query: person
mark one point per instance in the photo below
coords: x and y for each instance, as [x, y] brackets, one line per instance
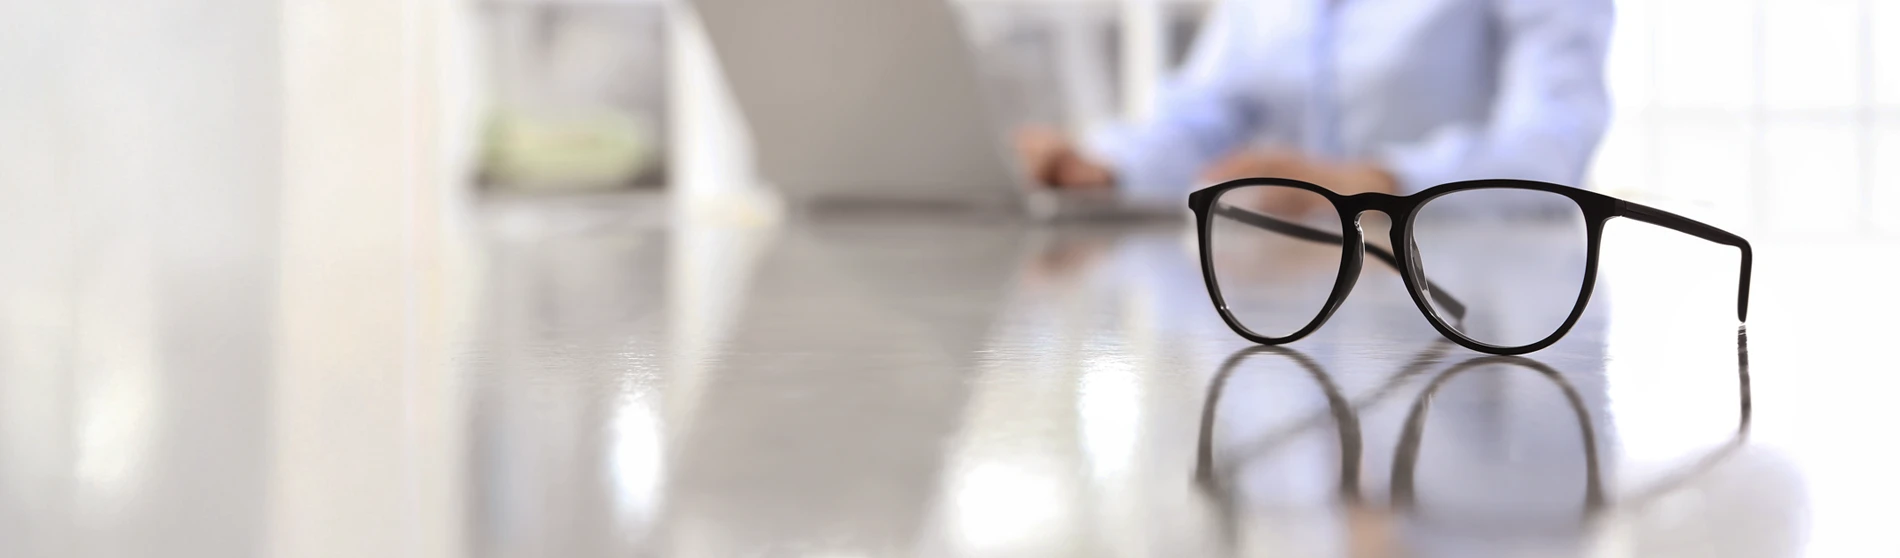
[1389, 96]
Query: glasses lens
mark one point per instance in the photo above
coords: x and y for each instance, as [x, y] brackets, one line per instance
[1514, 258]
[1275, 253]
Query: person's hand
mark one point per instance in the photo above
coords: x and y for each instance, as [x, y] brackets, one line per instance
[1052, 160]
[1346, 178]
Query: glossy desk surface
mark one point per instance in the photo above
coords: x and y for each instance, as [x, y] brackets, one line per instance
[553, 384]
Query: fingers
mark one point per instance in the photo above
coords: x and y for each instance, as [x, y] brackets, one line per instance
[1259, 162]
[1287, 203]
[1043, 153]
[1365, 177]
[1291, 203]
[1074, 172]
[1051, 159]
[1229, 168]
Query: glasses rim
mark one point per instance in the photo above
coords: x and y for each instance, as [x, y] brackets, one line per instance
[1597, 210]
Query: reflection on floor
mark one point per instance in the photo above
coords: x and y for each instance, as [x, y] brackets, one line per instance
[586, 385]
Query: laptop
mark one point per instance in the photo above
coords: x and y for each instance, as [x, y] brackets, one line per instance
[877, 104]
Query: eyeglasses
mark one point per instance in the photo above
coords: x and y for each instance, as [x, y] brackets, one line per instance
[1280, 255]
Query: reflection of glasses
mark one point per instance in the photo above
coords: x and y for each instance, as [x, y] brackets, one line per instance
[1536, 276]
[1214, 479]
[1405, 463]
[1403, 488]
[1340, 410]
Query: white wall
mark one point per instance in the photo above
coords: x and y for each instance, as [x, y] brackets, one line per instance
[218, 210]
[377, 125]
[139, 155]
[1775, 115]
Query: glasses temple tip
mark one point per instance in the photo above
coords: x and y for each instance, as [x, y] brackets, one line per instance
[1741, 292]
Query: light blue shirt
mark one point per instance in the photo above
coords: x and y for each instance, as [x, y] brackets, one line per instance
[1435, 90]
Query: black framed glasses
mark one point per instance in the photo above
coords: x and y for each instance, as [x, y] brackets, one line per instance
[1499, 266]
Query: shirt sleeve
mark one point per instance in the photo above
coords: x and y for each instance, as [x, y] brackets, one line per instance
[1200, 115]
[1548, 113]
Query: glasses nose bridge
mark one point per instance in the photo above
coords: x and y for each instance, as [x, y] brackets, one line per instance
[1357, 205]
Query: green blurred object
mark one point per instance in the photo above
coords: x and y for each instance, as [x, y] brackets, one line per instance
[587, 150]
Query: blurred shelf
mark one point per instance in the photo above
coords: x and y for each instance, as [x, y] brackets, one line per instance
[529, 3]
[1080, 2]
[532, 3]
[530, 215]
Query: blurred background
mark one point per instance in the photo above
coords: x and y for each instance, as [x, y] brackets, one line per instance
[1769, 113]
[1762, 113]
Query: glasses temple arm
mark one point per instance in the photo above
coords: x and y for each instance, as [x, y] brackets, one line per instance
[1303, 232]
[1701, 230]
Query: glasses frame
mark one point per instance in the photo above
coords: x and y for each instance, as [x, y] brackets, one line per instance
[1598, 210]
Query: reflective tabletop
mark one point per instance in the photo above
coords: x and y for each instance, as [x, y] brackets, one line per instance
[563, 380]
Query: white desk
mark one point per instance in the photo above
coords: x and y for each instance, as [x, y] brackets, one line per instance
[576, 385]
